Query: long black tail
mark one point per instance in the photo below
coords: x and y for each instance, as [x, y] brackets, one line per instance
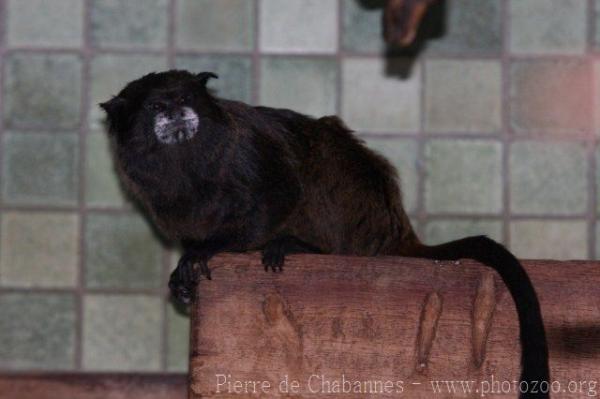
[534, 348]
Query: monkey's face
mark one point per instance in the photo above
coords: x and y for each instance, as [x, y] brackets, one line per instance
[174, 123]
[168, 108]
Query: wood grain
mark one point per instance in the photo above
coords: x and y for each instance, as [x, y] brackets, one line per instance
[377, 320]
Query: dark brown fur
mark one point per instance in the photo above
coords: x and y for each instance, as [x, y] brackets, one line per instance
[276, 180]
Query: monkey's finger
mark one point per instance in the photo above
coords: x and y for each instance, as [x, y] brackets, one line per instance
[205, 270]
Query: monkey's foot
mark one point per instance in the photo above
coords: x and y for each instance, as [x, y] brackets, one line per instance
[186, 275]
[273, 255]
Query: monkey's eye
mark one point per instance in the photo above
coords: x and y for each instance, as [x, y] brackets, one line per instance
[155, 106]
[185, 99]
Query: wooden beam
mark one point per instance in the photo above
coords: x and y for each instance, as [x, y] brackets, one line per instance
[372, 321]
[93, 386]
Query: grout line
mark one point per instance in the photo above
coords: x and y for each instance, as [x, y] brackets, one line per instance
[164, 296]
[126, 211]
[421, 210]
[3, 39]
[293, 54]
[592, 160]
[540, 136]
[338, 59]
[83, 132]
[43, 50]
[255, 53]
[61, 373]
[302, 53]
[514, 216]
[165, 256]
[299, 53]
[170, 49]
[66, 208]
[592, 200]
[506, 130]
[90, 290]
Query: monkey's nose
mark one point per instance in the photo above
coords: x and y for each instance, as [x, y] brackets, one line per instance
[177, 114]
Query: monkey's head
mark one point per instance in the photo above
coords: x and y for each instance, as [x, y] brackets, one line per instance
[166, 108]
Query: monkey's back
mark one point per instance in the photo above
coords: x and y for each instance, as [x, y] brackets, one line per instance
[351, 202]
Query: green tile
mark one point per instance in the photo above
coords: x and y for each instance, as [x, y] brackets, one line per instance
[548, 178]
[298, 26]
[463, 176]
[37, 331]
[40, 169]
[178, 327]
[122, 252]
[306, 85]
[416, 224]
[42, 90]
[215, 24]
[548, 26]
[444, 230]
[403, 155]
[596, 85]
[57, 23]
[478, 108]
[362, 28]
[549, 239]
[122, 333]
[235, 73]
[39, 249]
[174, 253]
[551, 96]
[597, 24]
[472, 27]
[178, 340]
[128, 23]
[110, 73]
[103, 187]
[376, 100]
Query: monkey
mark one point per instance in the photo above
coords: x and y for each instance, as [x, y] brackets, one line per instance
[221, 175]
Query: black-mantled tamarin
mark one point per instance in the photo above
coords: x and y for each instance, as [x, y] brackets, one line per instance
[221, 175]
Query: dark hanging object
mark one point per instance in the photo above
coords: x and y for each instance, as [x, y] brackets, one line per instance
[401, 20]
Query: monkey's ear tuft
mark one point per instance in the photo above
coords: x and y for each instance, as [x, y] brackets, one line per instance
[205, 76]
[114, 106]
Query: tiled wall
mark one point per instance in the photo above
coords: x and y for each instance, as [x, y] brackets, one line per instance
[492, 127]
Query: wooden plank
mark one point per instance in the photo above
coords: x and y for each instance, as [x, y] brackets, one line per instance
[93, 386]
[376, 321]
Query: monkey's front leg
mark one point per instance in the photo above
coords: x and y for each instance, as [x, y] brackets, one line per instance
[191, 266]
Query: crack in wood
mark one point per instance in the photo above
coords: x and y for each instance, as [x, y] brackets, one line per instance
[483, 310]
[430, 314]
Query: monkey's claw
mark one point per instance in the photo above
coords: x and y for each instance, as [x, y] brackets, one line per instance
[273, 258]
[185, 277]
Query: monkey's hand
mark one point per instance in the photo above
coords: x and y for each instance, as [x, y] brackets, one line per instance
[273, 255]
[274, 252]
[185, 277]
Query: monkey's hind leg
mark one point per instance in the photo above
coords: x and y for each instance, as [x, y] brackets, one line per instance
[274, 252]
